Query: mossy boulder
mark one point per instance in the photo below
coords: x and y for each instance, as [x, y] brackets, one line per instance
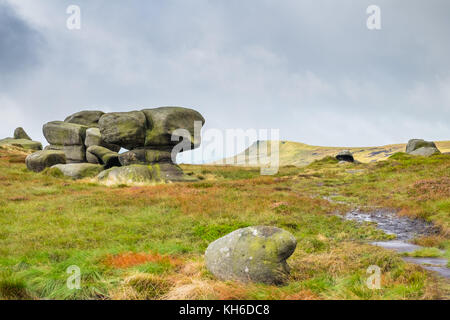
[163, 123]
[20, 133]
[129, 175]
[143, 175]
[416, 144]
[79, 170]
[151, 128]
[253, 254]
[63, 133]
[144, 156]
[94, 138]
[125, 129]
[40, 160]
[425, 152]
[22, 143]
[86, 118]
[103, 156]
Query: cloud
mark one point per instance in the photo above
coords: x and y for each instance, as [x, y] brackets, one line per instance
[311, 69]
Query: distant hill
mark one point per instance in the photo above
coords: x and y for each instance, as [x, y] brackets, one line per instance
[300, 154]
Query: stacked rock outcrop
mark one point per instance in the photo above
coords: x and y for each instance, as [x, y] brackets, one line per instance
[21, 139]
[94, 137]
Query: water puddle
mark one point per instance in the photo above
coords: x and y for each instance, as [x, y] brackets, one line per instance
[405, 229]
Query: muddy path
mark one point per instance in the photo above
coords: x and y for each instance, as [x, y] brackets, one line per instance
[405, 230]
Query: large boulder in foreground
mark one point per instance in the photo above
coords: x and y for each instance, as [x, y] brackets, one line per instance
[64, 134]
[40, 160]
[79, 170]
[256, 254]
[86, 118]
[22, 143]
[20, 133]
[420, 147]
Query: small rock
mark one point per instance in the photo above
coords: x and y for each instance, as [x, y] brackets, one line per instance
[79, 170]
[346, 156]
[40, 160]
[20, 133]
[256, 254]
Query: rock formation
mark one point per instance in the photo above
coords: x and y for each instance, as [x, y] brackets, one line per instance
[40, 160]
[419, 147]
[346, 156]
[256, 254]
[150, 135]
[22, 140]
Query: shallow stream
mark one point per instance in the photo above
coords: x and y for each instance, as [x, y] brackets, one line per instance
[405, 229]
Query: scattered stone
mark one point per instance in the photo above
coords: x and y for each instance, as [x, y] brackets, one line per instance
[346, 156]
[22, 143]
[103, 156]
[256, 254]
[144, 156]
[40, 160]
[20, 133]
[65, 134]
[86, 118]
[79, 170]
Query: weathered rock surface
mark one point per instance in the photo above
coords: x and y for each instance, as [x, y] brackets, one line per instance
[151, 128]
[144, 156]
[425, 152]
[79, 170]
[129, 175]
[164, 121]
[420, 147]
[63, 133]
[86, 118]
[256, 254]
[40, 160]
[20, 133]
[103, 156]
[125, 129]
[143, 174]
[22, 143]
[346, 156]
[94, 138]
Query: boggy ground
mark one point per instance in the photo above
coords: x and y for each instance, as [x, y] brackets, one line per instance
[148, 242]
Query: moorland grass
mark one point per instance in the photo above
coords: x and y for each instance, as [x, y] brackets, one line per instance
[148, 242]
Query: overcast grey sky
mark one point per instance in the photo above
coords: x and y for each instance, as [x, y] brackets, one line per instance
[310, 68]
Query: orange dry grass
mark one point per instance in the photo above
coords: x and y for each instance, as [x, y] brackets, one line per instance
[431, 189]
[126, 260]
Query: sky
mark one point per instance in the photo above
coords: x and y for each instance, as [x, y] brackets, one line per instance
[311, 69]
